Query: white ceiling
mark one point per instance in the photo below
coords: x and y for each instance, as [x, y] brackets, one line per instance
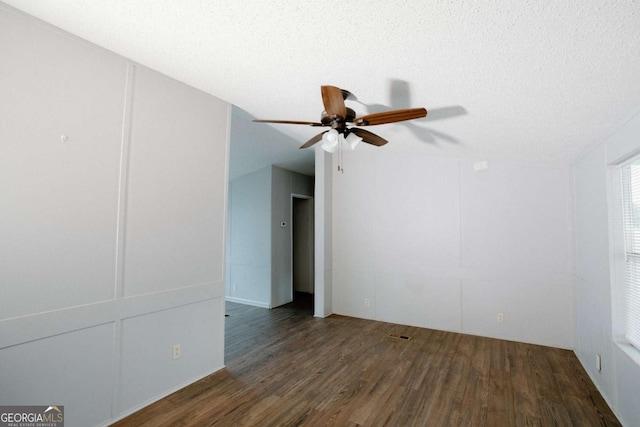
[532, 81]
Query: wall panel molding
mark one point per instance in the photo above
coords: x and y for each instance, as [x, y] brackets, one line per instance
[42, 325]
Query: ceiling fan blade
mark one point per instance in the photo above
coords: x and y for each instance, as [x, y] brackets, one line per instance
[313, 140]
[390, 116]
[288, 122]
[333, 101]
[369, 137]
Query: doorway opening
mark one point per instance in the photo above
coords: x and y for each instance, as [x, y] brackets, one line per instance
[302, 252]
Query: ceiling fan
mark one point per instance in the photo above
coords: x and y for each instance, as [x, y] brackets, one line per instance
[338, 116]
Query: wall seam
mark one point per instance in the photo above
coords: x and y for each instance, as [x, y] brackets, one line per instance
[123, 176]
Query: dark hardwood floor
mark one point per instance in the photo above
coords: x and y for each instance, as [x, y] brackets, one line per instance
[287, 368]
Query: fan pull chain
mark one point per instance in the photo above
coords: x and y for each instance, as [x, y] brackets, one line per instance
[340, 157]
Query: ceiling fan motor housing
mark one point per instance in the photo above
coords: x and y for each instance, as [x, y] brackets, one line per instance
[327, 120]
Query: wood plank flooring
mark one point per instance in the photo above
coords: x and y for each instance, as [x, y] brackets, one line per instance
[287, 368]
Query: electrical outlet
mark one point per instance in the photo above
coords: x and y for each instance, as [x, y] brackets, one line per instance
[598, 362]
[235, 287]
[500, 317]
[176, 352]
[366, 302]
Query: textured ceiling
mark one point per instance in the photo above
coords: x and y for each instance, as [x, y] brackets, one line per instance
[538, 82]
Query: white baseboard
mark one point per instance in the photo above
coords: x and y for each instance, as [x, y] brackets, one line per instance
[247, 302]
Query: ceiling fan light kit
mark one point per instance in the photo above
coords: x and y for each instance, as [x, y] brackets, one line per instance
[332, 139]
[352, 141]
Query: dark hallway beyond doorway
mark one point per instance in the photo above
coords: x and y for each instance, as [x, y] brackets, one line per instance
[303, 302]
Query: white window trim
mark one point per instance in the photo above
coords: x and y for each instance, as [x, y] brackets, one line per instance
[617, 258]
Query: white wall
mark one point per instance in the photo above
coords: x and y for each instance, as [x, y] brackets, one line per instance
[250, 239]
[259, 248]
[111, 248]
[432, 243]
[323, 232]
[619, 379]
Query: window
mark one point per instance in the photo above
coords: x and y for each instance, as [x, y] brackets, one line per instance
[630, 179]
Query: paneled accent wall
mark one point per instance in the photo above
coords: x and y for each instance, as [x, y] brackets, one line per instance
[436, 242]
[113, 185]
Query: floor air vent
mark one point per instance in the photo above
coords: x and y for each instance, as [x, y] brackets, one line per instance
[400, 337]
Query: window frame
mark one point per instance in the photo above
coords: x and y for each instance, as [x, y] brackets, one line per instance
[618, 257]
[630, 186]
